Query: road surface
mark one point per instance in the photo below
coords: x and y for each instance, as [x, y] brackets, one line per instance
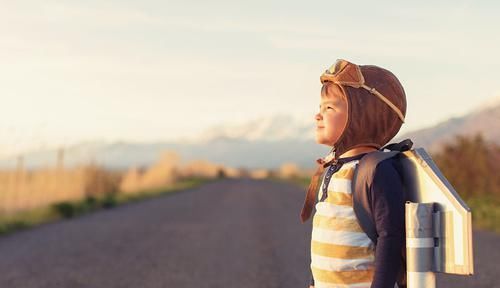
[229, 233]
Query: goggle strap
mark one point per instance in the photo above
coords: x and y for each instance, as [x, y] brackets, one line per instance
[386, 101]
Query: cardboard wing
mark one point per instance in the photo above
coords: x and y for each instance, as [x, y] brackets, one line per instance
[451, 218]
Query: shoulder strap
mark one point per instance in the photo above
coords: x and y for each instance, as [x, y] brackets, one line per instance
[361, 182]
[402, 146]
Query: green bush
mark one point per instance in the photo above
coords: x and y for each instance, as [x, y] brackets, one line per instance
[109, 201]
[71, 209]
[12, 226]
[64, 209]
[485, 213]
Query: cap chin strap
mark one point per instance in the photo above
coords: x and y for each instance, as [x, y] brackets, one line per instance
[385, 100]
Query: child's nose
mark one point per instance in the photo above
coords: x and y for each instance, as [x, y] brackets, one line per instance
[318, 116]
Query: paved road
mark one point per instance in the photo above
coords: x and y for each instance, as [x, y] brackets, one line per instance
[230, 233]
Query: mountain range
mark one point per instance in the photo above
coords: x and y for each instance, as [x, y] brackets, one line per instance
[261, 143]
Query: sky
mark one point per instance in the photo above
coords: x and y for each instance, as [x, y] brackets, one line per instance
[73, 71]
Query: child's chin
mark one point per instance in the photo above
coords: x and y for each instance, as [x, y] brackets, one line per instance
[320, 140]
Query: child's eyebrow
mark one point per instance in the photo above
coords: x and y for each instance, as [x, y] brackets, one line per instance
[329, 102]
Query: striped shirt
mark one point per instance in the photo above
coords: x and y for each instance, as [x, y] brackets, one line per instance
[342, 255]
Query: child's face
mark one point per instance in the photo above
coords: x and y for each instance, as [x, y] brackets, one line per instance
[332, 118]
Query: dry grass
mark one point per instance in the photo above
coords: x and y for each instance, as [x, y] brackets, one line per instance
[26, 190]
[28, 198]
[22, 190]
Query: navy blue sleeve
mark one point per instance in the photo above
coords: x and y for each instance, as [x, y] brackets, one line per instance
[388, 206]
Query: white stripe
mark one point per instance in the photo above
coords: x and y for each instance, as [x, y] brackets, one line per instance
[420, 279]
[419, 242]
[349, 164]
[318, 284]
[340, 185]
[336, 264]
[357, 239]
[332, 210]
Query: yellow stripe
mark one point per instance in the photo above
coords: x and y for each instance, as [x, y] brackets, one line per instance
[343, 277]
[339, 198]
[340, 251]
[344, 174]
[337, 224]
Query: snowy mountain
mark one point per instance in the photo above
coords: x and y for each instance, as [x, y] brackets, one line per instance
[265, 142]
[270, 129]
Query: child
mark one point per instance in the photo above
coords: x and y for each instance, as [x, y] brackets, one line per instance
[361, 109]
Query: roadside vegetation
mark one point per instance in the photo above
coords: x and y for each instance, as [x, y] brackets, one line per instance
[472, 165]
[32, 197]
[69, 209]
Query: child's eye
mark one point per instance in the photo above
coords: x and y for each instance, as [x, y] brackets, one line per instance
[323, 109]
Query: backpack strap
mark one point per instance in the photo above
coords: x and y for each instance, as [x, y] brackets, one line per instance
[362, 180]
[402, 146]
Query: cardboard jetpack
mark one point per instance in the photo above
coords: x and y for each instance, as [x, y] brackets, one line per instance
[438, 222]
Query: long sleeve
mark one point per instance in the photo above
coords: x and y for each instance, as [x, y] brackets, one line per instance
[388, 210]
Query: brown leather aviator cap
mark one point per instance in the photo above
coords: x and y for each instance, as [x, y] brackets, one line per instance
[376, 108]
[376, 104]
